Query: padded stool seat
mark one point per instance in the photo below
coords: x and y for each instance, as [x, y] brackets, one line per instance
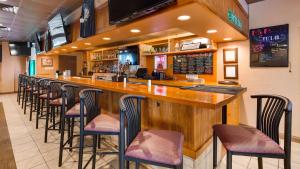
[74, 111]
[104, 123]
[56, 102]
[246, 140]
[159, 146]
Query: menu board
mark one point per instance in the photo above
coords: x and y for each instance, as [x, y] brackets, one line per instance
[193, 64]
[269, 46]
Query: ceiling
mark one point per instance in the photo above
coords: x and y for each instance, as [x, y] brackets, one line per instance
[32, 16]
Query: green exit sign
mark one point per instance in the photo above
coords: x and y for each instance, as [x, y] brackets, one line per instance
[234, 19]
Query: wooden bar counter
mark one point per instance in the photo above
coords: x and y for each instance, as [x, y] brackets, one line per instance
[191, 112]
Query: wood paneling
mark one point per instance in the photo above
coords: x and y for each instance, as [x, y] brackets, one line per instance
[68, 63]
[10, 68]
[47, 70]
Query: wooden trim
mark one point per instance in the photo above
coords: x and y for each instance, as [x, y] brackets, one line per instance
[236, 72]
[236, 55]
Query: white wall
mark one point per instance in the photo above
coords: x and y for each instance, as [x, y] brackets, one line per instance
[270, 80]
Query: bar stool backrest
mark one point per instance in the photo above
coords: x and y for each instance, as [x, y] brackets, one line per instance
[69, 94]
[89, 102]
[270, 110]
[42, 85]
[130, 113]
[54, 89]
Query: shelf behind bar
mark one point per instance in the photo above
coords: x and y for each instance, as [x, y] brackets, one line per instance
[182, 52]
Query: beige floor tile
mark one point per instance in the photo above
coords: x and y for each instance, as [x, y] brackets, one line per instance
[42, 166]
[31, 162]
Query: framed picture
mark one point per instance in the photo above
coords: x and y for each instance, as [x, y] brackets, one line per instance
[47, 62]
[231, 72]
[230, 55]
[269, 46]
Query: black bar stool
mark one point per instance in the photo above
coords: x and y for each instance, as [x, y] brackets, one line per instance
[70, 111]
[30, 89]
[25, 86]
[54, 106]
[156, 147]
[262, 141]
[33, 96]
[96, 124]
[41, 97]
[20, 88]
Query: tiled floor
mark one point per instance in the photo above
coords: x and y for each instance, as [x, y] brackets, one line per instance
[31, 152]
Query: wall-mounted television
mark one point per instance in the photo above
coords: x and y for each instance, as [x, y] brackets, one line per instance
[129, 55]
[37, 42]
[57, 31]
[125, 11]
[20, 48]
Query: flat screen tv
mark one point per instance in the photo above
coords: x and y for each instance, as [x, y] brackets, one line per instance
[129, 55]
[20, 48]
[125, 11]
[37, 43]
[57, 31]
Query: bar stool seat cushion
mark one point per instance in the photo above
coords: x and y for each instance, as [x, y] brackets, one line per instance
[246, 140]
[104, 123]
[160, 146]
[75, 111]
[56, 102]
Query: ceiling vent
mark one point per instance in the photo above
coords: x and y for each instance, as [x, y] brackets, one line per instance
[9, 8]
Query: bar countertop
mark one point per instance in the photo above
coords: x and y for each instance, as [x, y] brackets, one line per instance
[165, 93]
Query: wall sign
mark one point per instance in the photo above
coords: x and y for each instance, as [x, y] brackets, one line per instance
[231, 72]
[47, 62]
[230, 55]
[234, 19]
[269, 46]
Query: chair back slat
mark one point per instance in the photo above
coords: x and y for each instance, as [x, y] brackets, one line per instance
[54, 89]
[130, 106]
[69, 94]
[90, 99]
[270, 110]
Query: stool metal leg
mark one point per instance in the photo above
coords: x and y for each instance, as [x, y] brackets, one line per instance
[229, 160]
[260, 163]
[215, 150]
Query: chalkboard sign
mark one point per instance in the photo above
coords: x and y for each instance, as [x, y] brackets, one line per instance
[193, 64]
[269, 46]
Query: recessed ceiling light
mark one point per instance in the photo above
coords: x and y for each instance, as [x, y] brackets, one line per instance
[74, 47]
[184, 17]
[211, 31]
[56, 52]
[106, 38]
[3, 0]
[227, 39]
[64, 49]
[135, 31]
[88, 44]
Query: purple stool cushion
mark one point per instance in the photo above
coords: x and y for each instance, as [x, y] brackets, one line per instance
[75, 111]
[246, 140]
[160, 146]
[56, 102]
[104, 123]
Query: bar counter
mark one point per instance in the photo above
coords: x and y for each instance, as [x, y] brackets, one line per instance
[191, 112]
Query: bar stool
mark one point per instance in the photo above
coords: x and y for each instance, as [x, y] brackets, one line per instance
[25, 86]
[262, 141]
[29, 86]
[156, 147]
[20, 86]
[96, 123]
[53, 102]
[41, 97]
[33, 96]
[70, 111]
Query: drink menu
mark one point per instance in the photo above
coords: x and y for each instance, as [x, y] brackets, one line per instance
[193, 64]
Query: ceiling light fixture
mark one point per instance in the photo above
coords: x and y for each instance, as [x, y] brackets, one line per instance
[210, 31]
[88, 44]
[64, 49]
[106, 38]
[184, 17]
[135, 31]
[227, 39]
[74, 47]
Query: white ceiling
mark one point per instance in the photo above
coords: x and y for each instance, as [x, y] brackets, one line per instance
[32, 16]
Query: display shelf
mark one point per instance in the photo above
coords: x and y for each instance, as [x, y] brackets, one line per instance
[182, 52]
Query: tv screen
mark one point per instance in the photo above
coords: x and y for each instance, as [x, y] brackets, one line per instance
[124, 11]
[37, 43]
[160, 62]
[20, 48]
[57, 31]
[129, 55]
